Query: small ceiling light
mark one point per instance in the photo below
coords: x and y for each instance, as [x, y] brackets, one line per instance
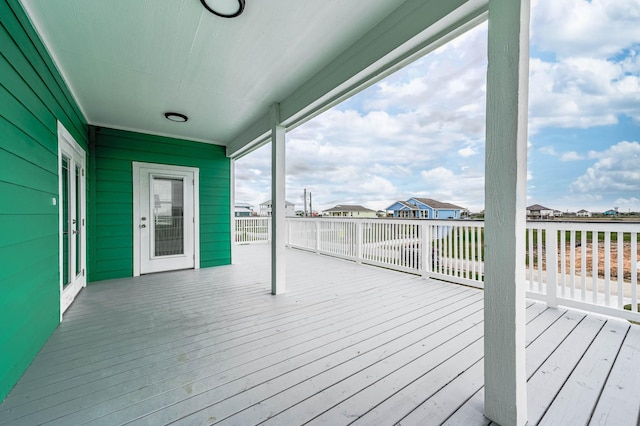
[224, 8]
[176, 116]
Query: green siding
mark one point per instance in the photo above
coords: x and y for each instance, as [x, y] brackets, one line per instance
[111, 205]
[33, 97]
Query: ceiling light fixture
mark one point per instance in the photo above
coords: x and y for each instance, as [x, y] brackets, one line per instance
[176, 116]
[224, 8]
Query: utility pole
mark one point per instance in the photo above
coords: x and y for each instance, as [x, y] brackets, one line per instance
[310, 205]
[305, 202]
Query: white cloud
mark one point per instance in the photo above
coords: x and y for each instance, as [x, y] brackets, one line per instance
[465, 189]
[563, 156]
[580, 93]
[585, 28]
[615, 171]
[588, 82]
[467, 152]
[631, 204]
[549, 150]
[571, 156]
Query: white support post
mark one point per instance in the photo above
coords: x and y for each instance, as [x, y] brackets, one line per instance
[232, 200]
[551, 252]
[426, 258]
[359, 242]
[505, 219]
[316, 225]
[278, 218]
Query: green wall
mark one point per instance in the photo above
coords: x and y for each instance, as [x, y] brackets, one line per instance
[33, 97]
[111, 202]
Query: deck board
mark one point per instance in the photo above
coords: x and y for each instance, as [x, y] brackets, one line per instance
[347, 343]
[619, 403]
[584, 386]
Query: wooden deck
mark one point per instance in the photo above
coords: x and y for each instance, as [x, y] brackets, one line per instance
[348, 344]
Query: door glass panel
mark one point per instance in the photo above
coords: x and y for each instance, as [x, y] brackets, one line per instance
[76, 221]
[64, 175]
[168, 216]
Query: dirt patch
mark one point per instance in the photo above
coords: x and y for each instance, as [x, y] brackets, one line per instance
[588, 252]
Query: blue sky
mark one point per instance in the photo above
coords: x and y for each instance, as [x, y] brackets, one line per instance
[420, 132]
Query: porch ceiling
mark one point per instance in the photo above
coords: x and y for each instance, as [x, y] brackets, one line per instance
[128, 62]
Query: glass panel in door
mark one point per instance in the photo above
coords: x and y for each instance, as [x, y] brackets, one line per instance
[75, 222]
[168, 216]
[66, 226]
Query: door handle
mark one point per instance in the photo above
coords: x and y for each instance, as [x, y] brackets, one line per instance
[143, 226]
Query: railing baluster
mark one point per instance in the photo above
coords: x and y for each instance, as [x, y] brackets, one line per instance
[583, 265]
[634, 271]
[620, 238]
[551, 257]
[594, 267]
[607, 268]
[563, 264]
[572, 262]
[474, 260]
[539, 257]
[530, 257]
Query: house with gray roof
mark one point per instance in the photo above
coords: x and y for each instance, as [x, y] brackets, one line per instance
[424, 208]
[536, 211]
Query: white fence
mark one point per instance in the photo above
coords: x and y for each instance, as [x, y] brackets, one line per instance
[252, 230]
[584, 265]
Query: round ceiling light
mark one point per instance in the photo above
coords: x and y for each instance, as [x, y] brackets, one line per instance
[176, 116]
[224, 8]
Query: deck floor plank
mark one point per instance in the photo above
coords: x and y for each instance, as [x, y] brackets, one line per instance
[439, 407]
[346, 343]
[548, 380]
[585, 384]
[376, 399]
[619, 403]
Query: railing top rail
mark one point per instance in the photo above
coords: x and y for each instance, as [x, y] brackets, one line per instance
[585, 226]
[568, 225]
[404, 221]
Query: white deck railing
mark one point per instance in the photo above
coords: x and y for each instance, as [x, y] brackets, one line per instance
[585, 265]
[252, 230]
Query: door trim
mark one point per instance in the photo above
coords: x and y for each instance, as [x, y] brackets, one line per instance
[136, 166]
[67, 143]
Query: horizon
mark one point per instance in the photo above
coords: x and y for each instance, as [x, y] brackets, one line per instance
[420, 131]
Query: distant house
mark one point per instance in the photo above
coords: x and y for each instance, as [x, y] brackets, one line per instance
[344, 210]
[583, 213]
[611, 213]
[557, 213]
[289, 210]
[243, 210]
[537, 211]
[424, 208]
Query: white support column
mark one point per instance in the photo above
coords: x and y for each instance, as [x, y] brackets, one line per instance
[551, 250]
[232, 200]
[505, 214]
[359, 242]
[278, 218]
[426, 256]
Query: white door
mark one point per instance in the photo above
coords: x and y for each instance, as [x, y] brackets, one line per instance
[72, 206]
[165, 219]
